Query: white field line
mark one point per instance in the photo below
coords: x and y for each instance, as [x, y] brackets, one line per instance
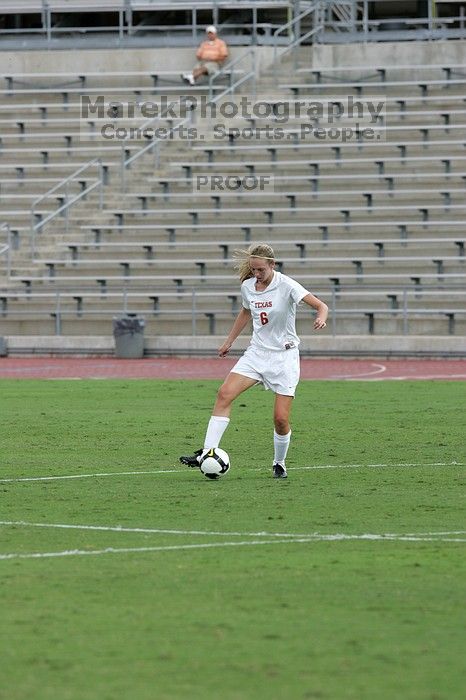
[379, 466]
[210, 545]
[402, 378]
[442, 376]
[158, 531]
[148, 530]
[379, 370]
[184, 471]
[90, 476]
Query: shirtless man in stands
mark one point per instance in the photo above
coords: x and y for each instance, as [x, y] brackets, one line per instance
[211, 55]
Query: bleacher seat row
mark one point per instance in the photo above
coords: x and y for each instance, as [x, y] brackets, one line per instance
[375, 228]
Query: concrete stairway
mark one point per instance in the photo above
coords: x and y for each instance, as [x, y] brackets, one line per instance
[374, 226]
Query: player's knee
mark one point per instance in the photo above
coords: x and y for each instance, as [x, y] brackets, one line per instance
[281, 423]
[224, 395]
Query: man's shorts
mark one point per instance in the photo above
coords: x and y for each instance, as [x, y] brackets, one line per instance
[211, 66]
[277, 370]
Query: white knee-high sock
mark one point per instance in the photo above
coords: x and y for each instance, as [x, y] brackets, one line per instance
[281, 444]
[215, 429]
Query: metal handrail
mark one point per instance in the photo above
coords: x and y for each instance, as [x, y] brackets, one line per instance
[427, 26]
[6, 248]
[37, 222]
[155, 144]
[228, 67]
[316, 8]
[127, 5]
[202, 4]
[402, 312]
[125, 28]
[435, 26]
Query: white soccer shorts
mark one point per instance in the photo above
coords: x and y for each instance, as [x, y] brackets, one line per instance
[277, 370]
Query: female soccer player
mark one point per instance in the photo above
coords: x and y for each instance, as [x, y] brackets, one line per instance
[272, 358]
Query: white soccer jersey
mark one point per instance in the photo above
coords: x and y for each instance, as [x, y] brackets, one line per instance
[273, 311]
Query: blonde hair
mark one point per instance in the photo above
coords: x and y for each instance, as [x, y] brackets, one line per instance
[255, 250]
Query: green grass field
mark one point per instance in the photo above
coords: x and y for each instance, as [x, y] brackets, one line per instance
[246, 588]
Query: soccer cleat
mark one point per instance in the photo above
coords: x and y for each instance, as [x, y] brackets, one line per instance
[191, 460]
[279, 472]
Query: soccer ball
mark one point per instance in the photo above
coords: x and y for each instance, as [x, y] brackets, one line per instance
[214, 463]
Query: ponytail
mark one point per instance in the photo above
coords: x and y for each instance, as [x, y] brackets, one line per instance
[242, 258]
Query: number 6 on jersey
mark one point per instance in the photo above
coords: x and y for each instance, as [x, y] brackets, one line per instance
[264, 318]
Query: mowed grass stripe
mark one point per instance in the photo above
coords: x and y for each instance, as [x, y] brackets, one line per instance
[158, 531]
[184, 471]
[208, 545]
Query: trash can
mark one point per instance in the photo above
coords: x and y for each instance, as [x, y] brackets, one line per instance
[3, 347]
[128, 332]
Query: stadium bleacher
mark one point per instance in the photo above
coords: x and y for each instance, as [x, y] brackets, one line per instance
[375, 226]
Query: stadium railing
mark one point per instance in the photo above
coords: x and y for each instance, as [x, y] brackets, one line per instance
[380, 163]
[169, 187]
[366, 73]
[403, 227]
[338, 281]
[22, 7]
[368, 179]
[361, 145]
[403, 304]
[367, 193]
[341, 213]
[302, 247]
[314, 16]
[338, 23]
[388, 233]
[302, 132]
[151, 28]
[355, 25]
[442, 116]
[154, 147]
[28, 81]
[370, 195]
[359, 87]
[401, 101]
[61, 191]
[21, 84]
[356, 268]
[6, 247]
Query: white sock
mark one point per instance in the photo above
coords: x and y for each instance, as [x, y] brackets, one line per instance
[215, 429]
[281, 444]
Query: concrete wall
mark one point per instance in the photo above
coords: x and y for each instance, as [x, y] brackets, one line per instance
[389, 54]
[325, 346]
[92, 60]
[180, 59]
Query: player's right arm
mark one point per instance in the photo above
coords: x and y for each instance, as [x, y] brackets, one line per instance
[239, 325]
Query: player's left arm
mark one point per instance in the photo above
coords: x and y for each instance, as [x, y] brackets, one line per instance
[321, 309]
